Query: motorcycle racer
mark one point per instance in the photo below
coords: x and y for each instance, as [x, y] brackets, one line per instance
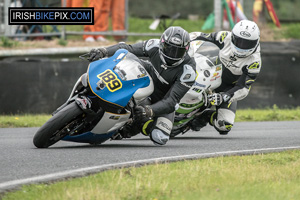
[241, 63]
[173, 73]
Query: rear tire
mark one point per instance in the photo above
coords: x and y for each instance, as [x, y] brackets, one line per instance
[51, 131]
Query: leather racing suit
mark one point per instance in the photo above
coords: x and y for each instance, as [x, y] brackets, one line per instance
[170, 83]
[237, 77]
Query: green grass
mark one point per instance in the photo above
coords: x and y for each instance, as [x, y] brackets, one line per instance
[10, 121]
[291, 31]
[62, 42]
[260, 177]
[269, 114]
[6, 42]
[286, 31]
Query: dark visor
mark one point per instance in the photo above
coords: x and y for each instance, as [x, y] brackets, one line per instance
[173, 51]
[243, 43]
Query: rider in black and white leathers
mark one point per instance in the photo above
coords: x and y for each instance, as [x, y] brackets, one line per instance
[240, 70]
[170, 83]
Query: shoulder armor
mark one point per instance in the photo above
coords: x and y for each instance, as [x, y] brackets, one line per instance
[188, 74]
[151, 43]
[221, 36]
[254, 67]
[194, 35]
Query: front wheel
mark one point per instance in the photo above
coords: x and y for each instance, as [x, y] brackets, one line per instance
[57, 126]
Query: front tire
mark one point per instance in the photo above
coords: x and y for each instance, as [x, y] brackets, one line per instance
[56, 127]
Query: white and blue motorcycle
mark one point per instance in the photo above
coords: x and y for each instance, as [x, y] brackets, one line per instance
[103, 99]
[100, 103]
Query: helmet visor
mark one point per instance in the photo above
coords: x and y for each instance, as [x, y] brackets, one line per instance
[243, 43]
[172, 51]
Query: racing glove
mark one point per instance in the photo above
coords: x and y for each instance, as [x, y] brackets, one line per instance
[142, 112]
[96, 54]
[215, 99]
[225, 96]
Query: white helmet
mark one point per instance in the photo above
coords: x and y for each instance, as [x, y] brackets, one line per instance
[244, 38]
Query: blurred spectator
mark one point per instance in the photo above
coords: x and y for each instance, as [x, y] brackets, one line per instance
[102, 10]
[72, 3]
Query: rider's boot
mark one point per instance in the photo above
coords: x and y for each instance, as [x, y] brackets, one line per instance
[202, 120]
[130, 130]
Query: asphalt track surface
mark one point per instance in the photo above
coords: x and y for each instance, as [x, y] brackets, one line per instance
[22, 163]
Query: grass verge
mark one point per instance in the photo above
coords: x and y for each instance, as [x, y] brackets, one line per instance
[270, 176]
[27, 120]
[270, 114]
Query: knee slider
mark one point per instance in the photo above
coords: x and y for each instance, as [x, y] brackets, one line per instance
[224, 120]
[222, 126]
[159, 137]
[160, 134]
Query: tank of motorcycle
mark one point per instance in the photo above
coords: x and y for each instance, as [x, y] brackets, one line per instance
[116, 79]
[208, 78]
[194, 46]
[208, 73]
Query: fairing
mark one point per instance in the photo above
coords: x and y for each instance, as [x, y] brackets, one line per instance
[113, 87]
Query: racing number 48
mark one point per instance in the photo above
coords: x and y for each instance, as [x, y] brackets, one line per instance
[111, 80]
